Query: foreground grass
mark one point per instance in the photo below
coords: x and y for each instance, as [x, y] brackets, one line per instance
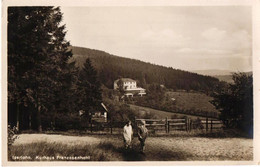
[41, 151]
[110, 148]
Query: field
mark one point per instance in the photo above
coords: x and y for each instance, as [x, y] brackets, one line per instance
[180, 103]
[192, 101]
[110, 148]
[159, 113]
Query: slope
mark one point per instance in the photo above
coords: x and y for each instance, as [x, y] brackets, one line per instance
[111, 67]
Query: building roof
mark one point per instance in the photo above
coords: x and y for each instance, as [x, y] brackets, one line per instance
[137, 89]
[126, 80]
[129, 94]
[103, 105]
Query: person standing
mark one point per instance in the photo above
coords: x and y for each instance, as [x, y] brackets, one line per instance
[128, 135]
[142, 135]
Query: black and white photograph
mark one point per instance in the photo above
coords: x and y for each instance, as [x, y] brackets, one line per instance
[129, 83]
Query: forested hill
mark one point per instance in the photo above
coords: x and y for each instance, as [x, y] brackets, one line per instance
[112, 67]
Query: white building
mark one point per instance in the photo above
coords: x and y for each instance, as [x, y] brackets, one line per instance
[130, 87]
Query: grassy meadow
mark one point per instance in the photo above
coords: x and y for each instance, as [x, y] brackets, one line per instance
[144, 111]
[177, 104]
[110, 148]
[192, 101]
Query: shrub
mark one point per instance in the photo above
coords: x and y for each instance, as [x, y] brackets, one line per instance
[12, 135]
[235, 102]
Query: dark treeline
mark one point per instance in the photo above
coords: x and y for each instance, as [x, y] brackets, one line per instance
[44, 90]
[112, 67]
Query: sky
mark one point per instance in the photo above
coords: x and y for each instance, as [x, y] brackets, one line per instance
[182, 37]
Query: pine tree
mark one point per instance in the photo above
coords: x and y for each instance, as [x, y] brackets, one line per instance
[37, 57]
[88, 89]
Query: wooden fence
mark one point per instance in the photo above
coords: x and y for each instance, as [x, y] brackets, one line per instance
[161, 125]
[185, 124]
[208, 124]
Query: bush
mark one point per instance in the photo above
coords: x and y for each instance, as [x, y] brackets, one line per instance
[12, 135]
[119, 111]
[235, 102]
[64, 122]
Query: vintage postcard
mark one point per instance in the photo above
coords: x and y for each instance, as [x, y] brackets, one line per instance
[136, 82]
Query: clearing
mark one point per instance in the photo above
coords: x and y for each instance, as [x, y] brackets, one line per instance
[159, 113]
[192, 101]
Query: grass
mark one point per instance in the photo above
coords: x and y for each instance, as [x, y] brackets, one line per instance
[110, 148]
[43, 148]
[216, 133]
[160, 113]
[185, 102]
[192, 101]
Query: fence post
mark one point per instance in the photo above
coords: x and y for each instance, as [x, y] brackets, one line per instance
[207, 124]
[166, 125]
[135, 123]
[135, 126]
[227, 124]
[111, 127]
[186, 123]
[190, 125]
[91, 126]
[211, 125]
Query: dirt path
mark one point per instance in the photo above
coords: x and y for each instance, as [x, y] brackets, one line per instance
[201, 148]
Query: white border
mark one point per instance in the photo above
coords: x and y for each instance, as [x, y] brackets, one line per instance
[256, 71]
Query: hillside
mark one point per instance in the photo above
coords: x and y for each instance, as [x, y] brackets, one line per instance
[159, 114]
[181, 102]
[213, 72]
[199, 103]
[222, 75]
[225, 78]
[228, 78]
[111, 67]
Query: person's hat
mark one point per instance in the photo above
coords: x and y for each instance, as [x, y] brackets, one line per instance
[143, 122]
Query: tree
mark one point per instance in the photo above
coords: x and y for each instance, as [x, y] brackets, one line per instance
[119, 111]
[88, 89]
[37, 58]
[121, 88]
[235, 102]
